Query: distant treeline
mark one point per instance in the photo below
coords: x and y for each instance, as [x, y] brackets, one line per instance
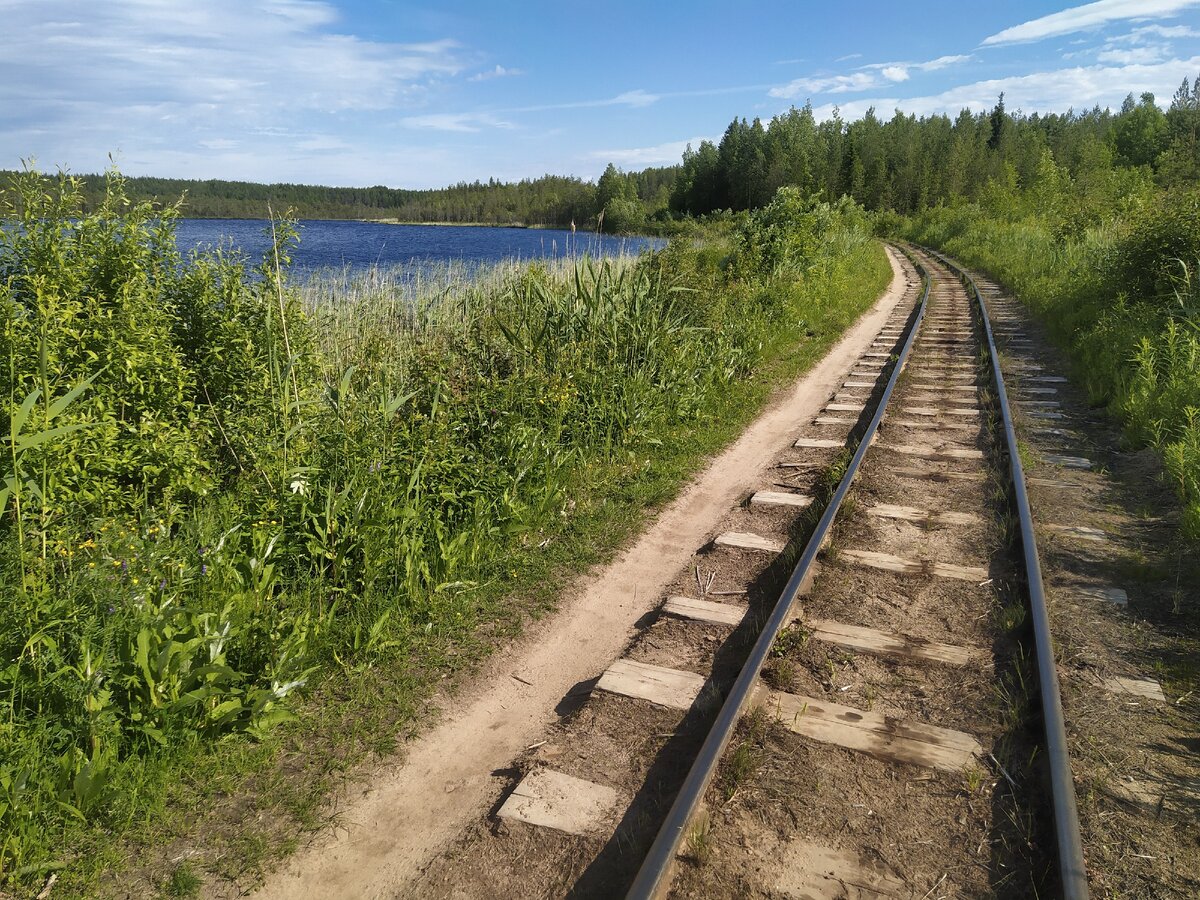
[550, 200]
[903, 164]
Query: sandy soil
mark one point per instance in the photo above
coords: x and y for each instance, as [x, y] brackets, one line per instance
[416, 806]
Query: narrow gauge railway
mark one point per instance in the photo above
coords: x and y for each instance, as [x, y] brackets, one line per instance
[851, 694]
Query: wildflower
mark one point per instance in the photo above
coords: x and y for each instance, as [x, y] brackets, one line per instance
[299, 486]
[204, 569]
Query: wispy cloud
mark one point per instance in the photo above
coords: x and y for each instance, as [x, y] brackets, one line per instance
[1144, 45]
[825, 84]
[1086, 17]
[1150, 53]
[461, 122]
[498, 72]
[864, 78]
[900, 71]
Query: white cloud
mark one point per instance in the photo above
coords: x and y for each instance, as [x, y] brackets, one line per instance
[669, 153]
[462, 122]
[1088, 16]
[1081, 87]
[636, 99]
[498, 72]
[862, 79]
[1134, 55]
[1145, 32]
[829, 84]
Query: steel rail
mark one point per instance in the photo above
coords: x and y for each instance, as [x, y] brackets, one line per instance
[654, 875]
[1072, 868]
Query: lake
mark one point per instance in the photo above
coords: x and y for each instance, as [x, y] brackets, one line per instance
[355, 245]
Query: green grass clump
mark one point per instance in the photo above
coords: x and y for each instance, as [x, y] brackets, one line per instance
[232, 503]
[1112, 266]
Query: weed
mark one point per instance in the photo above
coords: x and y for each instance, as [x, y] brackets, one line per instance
[183, 882]
[974, 778]
[742, 764]
[700, 839]
[791, 638]
[783, 674]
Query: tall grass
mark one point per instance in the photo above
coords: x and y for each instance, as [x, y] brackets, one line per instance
[222, 491]
[1116, 280]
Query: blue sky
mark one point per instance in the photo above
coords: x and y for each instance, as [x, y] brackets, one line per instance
[407, 94]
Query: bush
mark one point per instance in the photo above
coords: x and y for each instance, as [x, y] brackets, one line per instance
[1160, 251]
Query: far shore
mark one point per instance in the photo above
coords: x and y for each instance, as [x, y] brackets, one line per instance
[474, 224]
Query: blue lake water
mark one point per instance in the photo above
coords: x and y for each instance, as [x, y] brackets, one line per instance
[356, 245]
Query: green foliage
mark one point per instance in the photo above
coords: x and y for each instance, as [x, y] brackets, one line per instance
[1159, 250]
[1112, 266]
[219, 489]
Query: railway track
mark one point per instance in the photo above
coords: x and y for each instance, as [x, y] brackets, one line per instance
[839, 701]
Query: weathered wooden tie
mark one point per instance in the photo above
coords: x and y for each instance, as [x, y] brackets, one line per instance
[874, 733]
[672, 688]
[743, 540]
[890, 563]
[553, 800]
[704, 610]
[882, 643]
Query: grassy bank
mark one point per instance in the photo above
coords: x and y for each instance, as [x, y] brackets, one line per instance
[1112, 266]
[238, 512]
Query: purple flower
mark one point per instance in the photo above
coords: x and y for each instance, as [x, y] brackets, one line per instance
[204, 569]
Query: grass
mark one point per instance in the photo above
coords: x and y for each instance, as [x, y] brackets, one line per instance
[1117, 291]
[700, 839]
[291, 500]
[183, 882]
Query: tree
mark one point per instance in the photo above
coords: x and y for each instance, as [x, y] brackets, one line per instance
[1140, 135]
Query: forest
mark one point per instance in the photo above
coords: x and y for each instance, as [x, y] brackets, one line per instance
[908, 163]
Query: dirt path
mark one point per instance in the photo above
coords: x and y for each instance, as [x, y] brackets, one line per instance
[412, 809]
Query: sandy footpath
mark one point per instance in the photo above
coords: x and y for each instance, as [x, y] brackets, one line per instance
[391, 828]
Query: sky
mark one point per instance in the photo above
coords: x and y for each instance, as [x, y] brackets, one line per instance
[418, 95]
